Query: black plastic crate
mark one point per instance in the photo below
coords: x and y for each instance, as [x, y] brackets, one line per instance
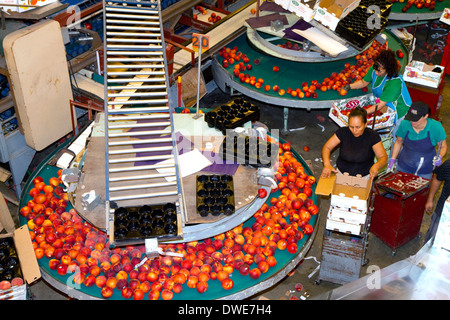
[232, 115]
[355, 30]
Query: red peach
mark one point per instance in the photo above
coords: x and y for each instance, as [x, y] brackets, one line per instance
[89, 281]
[106, 292]
[167, 294]
[100, 281]
[127, 292]
[255, 273]
[202, 286]
[153, 295]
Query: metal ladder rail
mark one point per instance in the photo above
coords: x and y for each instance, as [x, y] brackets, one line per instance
[136, 99]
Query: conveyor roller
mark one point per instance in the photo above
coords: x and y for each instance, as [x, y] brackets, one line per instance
[138, 120]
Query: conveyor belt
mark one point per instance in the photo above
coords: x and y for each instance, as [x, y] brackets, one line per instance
[136, 108]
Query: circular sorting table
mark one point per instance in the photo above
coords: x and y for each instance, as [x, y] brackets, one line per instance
[244, 286]
[291, 74]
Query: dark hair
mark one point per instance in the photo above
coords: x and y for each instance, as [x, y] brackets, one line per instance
[358, 112]
[388, 60]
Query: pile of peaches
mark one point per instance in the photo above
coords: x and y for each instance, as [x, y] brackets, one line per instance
[336, 81]
[419, 4]
[71, 247]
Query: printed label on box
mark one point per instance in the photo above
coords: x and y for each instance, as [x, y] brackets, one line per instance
[304, 10]
[7, 8]
[339, 112]
[423, 74]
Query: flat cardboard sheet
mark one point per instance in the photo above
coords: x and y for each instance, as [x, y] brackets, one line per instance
[324, 42]
[40, 86]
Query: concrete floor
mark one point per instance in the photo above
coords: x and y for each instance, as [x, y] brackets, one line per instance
[314, 137]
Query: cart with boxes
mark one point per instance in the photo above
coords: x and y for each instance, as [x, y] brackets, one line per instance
[346, 228]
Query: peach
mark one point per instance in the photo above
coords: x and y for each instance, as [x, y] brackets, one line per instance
[157, 286]
[72, 266]
[84, 268]
[100, 281]
[17, 281]
[145, 286]
[106, 292]
[192, 281]
[5, 285]
[202, 286]
[177, 288]
[134, 284]
[227, 284]
[138, 294]
[81, 258]
[167, 294]
[121, 284]
[39, 253]
[127, 292]
[121, 275]
[53, 181]
[222, 275]
[114, 258]
[49, 252]
[255, 273]
[89, 280]
[105, 265]
[152, 276]
[61, 269]
[66, 259]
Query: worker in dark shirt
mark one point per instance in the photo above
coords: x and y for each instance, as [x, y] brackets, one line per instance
[441, 175]
[358, 147]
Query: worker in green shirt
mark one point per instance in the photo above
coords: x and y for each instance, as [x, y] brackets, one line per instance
[417, 138]
[387, 85]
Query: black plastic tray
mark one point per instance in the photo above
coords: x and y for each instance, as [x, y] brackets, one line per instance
[232, 115]
[148, 221]
[215, 195]
[246, 150]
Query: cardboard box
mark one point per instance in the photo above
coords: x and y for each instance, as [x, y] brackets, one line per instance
[283, 3]
[330, 12]
[7, 8]
[303, 9]
[343, 227]
[340, 109]
[445, 17]
[350, 192]
[40, 3]
[345, 220]
[22, 241]
[420, 73]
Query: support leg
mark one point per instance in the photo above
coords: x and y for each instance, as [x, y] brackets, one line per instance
[285, 130]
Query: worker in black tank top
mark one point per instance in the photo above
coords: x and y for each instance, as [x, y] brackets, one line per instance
[358, 147]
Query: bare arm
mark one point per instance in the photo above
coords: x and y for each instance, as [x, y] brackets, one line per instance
[434, 187]
[397, 147]
[382, 159]
[443, 149]
[381, 107]
[359, 84]
[328, 147]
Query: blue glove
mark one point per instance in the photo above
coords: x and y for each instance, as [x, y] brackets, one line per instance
[391, 164]
[437, 161]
